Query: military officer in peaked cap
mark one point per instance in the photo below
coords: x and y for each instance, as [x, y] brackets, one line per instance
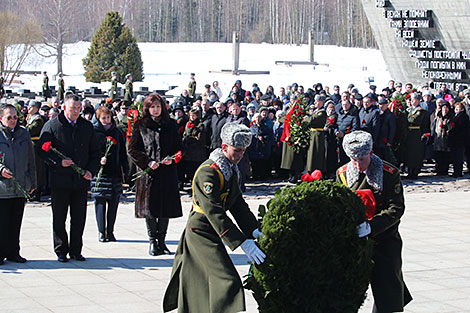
[368, 171]
[204, 278]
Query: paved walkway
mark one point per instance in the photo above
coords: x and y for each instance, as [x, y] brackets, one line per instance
[122, 277]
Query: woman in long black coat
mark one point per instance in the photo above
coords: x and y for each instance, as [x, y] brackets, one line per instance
[115, 166]
[154, 138]
[458, 137]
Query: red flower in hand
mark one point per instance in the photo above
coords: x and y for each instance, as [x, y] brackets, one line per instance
[112, 140]
[348, 130]
[452, 124]
[46, 146]
[384, 140]
[427, 135]
[178, 156]
[190, 125]
[441, 125]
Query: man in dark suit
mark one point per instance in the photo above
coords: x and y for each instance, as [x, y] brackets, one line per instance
[74, 137]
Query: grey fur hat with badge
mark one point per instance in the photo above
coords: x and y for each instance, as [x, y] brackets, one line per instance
[357, 144]
[237, 135]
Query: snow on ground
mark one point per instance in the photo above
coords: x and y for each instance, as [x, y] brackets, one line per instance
[169, 64]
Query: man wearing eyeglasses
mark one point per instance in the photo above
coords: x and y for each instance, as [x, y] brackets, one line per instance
[74, 137]
[16, 165]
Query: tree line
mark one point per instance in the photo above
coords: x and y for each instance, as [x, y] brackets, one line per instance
[335, 22]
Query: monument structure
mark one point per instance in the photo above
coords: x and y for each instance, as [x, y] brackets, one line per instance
[423, 41]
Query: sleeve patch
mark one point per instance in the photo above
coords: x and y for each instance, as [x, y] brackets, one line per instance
[397, 188]
[208, 187]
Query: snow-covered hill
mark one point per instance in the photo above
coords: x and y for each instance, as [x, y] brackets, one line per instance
[169, 64]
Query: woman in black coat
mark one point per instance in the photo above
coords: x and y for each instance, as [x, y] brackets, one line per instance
[157, 199]
[458, 137]
[115, 166]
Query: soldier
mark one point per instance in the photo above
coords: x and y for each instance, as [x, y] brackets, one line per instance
[369, 117]
[192, 87]
[34, 124]
[201, 252]
[2, 90]
[129, 95]
[368, 171]
[114, 85]
[418, 133]
[46, 92]
[61, 89]
[316, 151]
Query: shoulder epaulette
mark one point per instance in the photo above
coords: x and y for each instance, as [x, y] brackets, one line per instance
[343, 169]
[214, 166]
[389, 168]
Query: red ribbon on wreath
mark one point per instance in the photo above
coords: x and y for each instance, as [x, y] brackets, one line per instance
[132, 115]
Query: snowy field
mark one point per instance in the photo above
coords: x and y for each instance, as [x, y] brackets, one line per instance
[169, 64]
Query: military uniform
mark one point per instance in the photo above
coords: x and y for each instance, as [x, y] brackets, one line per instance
[61, 90]
[2, 90]
[389, 290]
[34, 126]
[192, 88]
[418, 125]
[113, 90]
[316, 151]
[46, 92]
[204, 278]
[129, 95]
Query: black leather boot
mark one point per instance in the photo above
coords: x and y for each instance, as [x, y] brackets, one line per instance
[162, 227]
[154, 249]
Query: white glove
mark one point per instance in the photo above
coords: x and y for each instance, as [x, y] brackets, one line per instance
[363, 229]
[254, 254]
[257, 234]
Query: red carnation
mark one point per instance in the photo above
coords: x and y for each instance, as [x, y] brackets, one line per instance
[441, 125]
[427, 135]
[190, 125]
[384, 140]
[46, 146]
[451, 124]
[112, 140]
[364, 121]
[306, 177]
[348, 130]
[178, 156]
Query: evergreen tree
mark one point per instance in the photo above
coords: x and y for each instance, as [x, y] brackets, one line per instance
[113, 49]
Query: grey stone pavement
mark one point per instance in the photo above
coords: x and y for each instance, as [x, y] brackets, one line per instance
[122, 277]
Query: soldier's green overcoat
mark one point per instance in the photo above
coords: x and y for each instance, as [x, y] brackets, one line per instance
[388, 287]
[46, 92]
[316, 151]
[61, 90]
[129, 95]
[113, 90]
[418, 124]
[204, 278]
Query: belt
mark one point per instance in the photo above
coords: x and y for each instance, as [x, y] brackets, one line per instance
[318, 129]
[35, 138]
[414, 127]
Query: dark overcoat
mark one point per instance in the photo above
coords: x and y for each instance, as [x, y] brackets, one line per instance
[157, 193]
[204, 278]
[78, 143]
[388, 287]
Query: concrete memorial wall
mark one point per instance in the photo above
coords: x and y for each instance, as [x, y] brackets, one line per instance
[423, 41]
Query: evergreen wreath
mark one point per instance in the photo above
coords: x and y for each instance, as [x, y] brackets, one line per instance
[315, 260]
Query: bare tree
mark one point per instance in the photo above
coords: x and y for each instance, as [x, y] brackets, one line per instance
[16, 42]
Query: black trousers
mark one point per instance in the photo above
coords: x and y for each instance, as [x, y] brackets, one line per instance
[11, 216]
[157, 228]
[106, 212]
[62, 199]
[442, 162]
[457, 160]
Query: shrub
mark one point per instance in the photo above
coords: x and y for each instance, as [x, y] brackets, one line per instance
[315, 260]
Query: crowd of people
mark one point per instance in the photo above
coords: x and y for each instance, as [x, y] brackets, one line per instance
[408, 126]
